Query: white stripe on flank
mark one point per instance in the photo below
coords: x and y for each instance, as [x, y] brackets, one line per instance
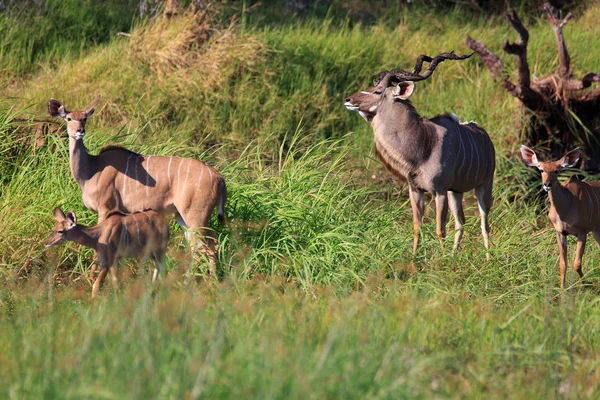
[179, 173]
[187, 172]
[210, 173]
[148, 175]
[462, 147]
[470, 160]
[125, 177]
[169, 171]
[478, 164]
[199, 178]
[137, 178]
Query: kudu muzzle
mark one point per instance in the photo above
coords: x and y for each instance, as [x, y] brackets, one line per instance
[79, 134]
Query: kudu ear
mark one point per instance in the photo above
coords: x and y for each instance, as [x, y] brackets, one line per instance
[56, 109]
[404, 90]
[529, 157]
[571, 158]
[71, 218]
[89, 110]
[59, 215]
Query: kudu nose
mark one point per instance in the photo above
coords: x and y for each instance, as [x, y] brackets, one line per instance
[547, 187]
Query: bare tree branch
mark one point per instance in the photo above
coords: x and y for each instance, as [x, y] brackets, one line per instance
[489, 58]
[563, 54]
[519, 48]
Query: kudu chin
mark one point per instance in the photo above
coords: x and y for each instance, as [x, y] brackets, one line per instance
[439, 155]
[574, 205]
[141, 234]
[118, 179]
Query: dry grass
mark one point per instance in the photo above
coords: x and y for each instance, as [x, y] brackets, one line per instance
[170, 59]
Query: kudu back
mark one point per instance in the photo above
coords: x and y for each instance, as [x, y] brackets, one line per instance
[439, 155]
[118, 179]
[574, 205]
[143, 234]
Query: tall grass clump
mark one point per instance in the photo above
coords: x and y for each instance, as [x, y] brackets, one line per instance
[52, 30]
[303, 214]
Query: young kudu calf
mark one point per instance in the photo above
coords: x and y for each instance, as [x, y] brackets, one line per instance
[141, 234]
[574, 205]
[118, 179]
[438, 155]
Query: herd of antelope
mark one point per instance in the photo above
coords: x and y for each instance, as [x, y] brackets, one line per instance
[134, 194]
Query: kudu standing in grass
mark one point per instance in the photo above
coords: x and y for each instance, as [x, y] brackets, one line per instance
[117, 179]
[574, 205]
[439, 155]
[141, 234]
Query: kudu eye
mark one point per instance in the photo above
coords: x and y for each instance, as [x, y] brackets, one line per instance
[69, 119]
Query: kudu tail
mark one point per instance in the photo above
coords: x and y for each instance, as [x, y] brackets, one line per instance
[222, 195]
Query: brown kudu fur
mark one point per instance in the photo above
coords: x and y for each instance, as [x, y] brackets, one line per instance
[438, 155]
[117, 179]
[141, 234]
[574, 205]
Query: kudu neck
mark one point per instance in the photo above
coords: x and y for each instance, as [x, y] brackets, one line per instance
[80, 160]
[405, 135]
[402, 112]
[560, 197]
[84, 235]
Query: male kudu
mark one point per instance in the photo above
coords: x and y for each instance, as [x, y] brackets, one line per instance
[117, 179]
[439, 155]
[574, 205]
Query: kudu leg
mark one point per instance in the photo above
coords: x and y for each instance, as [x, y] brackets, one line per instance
[93, 269]
[441, 214]
[114, 278]
[98, 282]
[207, 245]
[200, 239]
[158, 268]
[484, 201]
[562, 250]
[455, 201]
[417, 203]
[581, 239]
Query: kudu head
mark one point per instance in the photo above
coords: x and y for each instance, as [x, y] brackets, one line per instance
[75, 119]
[550, 169]
[64, 225]
[396, 85]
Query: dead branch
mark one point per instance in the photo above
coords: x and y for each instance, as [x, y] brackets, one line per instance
[563, 54]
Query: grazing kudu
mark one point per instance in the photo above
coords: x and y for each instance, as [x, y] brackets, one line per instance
[117, 179]
[141, 234]
[574, 205]
[439, 155]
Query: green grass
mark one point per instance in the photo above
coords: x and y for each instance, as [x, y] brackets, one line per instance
[318, 297]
